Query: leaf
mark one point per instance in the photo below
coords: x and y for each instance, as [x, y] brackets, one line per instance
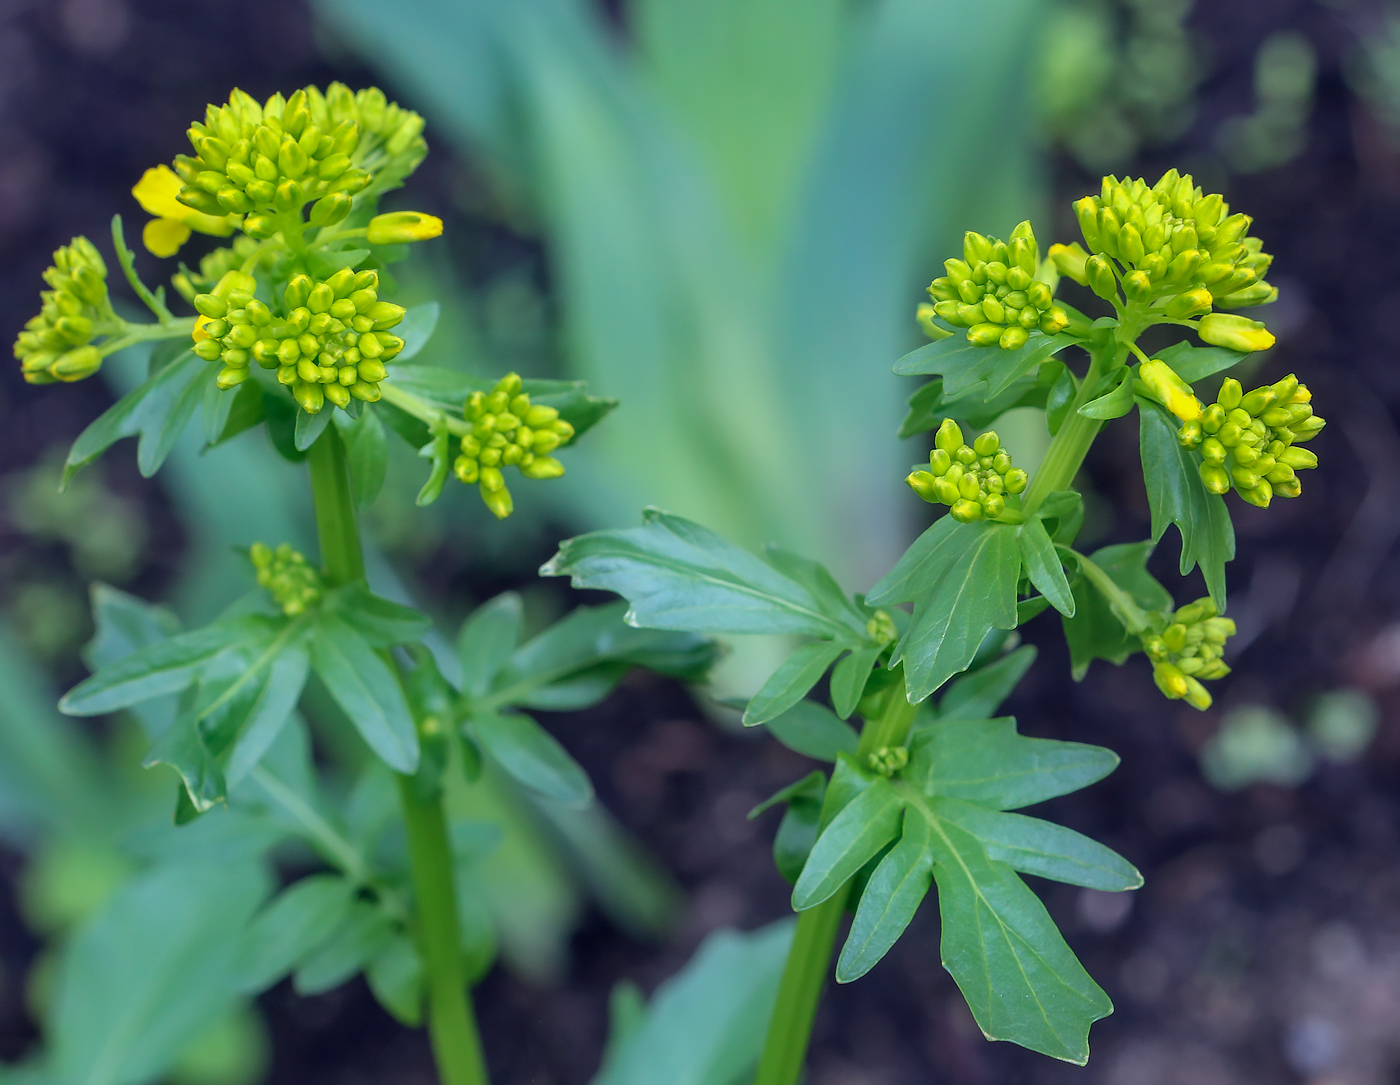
[156, 411]
[324, 264]
[706, 1025]
[813, 731]
[309, 427]
[368, 453]
[1114, 404]
[962, 364]
[816, 578]
[893, 894]
[794, 677]
[302, 919]
[283, 417]
[1194, 363]
[849, 677]
[532, 756]
[987, 762]
[976, 696]
[367, 690]
[395, 975]
[1033, 846]
[151, 968]
[363, 933]
[1020, 980]
[798, 830]
[956, 609]
[166, 666]
[285, 681]
[1095, 631]
[486, 641]
[182, 747]
[581, 657]
[416, 328]
[930, 555]
[679, 575]
[929, 406]
[381, 622]
[855, 835]
[236, 412]
[1043, 566]
[1177, 495]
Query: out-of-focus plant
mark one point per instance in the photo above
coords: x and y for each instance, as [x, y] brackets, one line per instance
[1256, 744]
[734, 196]
[1285, 76]
[919, 796]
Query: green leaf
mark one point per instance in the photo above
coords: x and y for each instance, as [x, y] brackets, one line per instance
[987, 762]
[849, 677]
[368, 453]
[302, 919]
[324, 264]
[416, 328]
[486, 641]
[1177, 495]
[813, 731]
[817, 579]
[1095, 631]
[286, 679]
[362, 934]
[1194, 363]
[283, 417]
[977, 696]
[864, 826]
[166, 666]
[705, 1025]
[153, 967]
[1033, 846]
[182, 747]
[1114, 404]
[961, 364]
[961, 590]
[156, 411]
[308, 427]
[1043, 566]
[929, 406]
[798, 830]
[395, 975]
[794, 677]
[580, 658]
[367, 690]
[236, 411]
[381, 622]
[532, 756]
[679, 575]
[1020, 980]
[893, 894]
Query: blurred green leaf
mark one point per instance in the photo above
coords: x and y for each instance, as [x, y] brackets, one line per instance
[359, 937]
[813, 731]
[301, 919]
[364, 686]
[532, 756]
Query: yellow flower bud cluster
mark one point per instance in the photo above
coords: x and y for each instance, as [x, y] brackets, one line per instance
[293, 584]
[331, 343]
[265, 160]
[1188, 650]
[508, 431]
[993, 291]
[974, 479]
[1248, 440]
[1169, 244]
[56, 344]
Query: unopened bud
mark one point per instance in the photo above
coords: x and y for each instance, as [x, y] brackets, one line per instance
[1234, 332]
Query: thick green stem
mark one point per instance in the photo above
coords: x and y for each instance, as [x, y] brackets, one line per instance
[809, 958]
[451, 1022]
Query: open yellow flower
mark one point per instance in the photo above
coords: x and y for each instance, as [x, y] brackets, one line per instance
[164, 234]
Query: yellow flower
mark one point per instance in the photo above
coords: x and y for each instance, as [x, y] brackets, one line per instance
[163, 235]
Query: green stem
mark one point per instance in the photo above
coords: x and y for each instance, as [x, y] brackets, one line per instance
[809, 958]
[451, 1022]
[421, 409]
[132, 334]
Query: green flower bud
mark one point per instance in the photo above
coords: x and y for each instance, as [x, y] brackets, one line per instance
[888, 760]
[56, 344]
[1102, 281]
[1069, 261]
[402, 226]
[949, 437]
[1170, 390]
[293, 584]
[1234, 332]
[1189, 303]
[1013, 338]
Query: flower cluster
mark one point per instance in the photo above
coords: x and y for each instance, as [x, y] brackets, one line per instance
[1247, 440]
[267, 160]
[291, 581]
[56, 345]
[973, 479]
[887, 760]
[1188, 650]
[508, 431]
[1168, 244]
[993, 291]
[332, 343]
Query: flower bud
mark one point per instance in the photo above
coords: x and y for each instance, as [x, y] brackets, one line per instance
[1189, 303]
[1234, 332]
[401, 226]
[1069, 261]
[1100, 276]
[1170, 390]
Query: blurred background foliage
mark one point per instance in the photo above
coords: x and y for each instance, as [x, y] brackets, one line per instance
[720, 212]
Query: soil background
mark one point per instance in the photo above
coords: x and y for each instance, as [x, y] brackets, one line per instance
[1265, 946]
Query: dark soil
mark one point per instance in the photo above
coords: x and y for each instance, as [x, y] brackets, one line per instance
[1265, 946]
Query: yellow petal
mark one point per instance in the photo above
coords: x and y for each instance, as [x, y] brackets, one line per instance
[199, 332]
[164, 236]
[214, 225]
[156, 192]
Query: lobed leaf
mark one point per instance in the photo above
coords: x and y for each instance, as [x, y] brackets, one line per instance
[1193, 363]
[813, 731]
[977, 695]
[364, 686]
[962, 364]
[360, 936]
[381, 622]
[532, 756]
[854, 836]
[792, 681]
[890, 898]
[1042, 564]
[486, 641]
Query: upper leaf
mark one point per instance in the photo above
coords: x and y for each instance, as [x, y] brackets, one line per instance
[962, 364]
[813, 731]
[1177, 495]
[381, 622]
[365, 687]
[1095, 632]
[988, 762]
[679, 575]
[977, 695]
